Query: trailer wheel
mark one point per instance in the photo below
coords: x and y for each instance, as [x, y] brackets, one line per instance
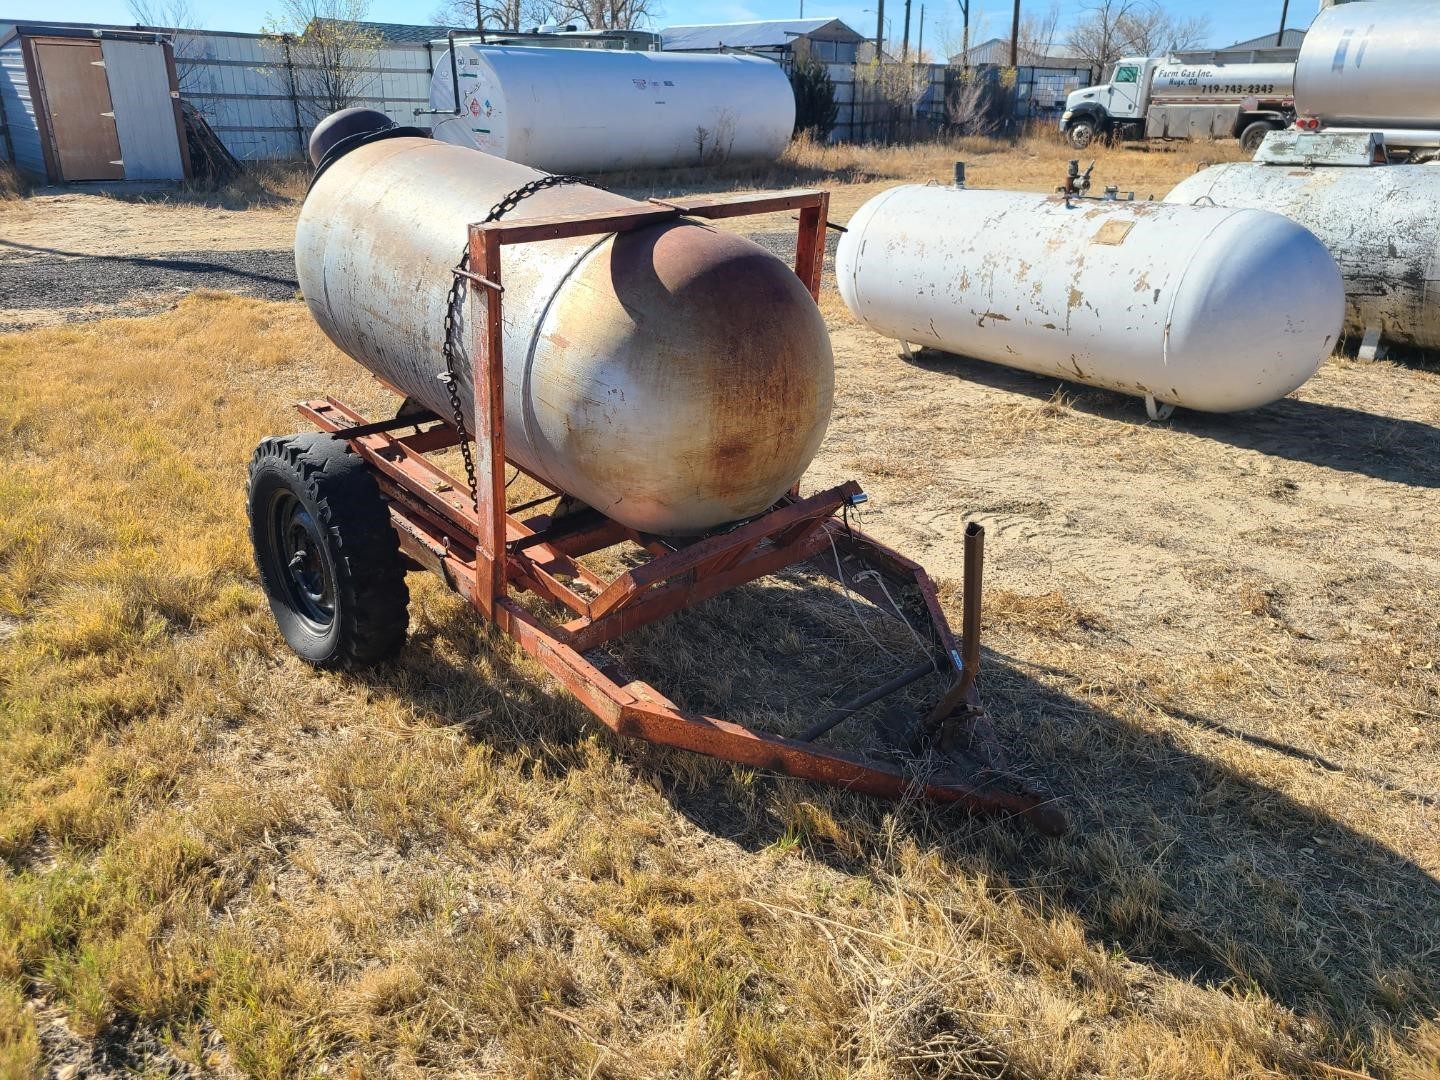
[328, 558]
[1081, 134]
[1254, 134]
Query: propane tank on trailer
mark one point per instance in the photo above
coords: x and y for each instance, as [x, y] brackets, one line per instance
[675, 377]
[592, 110]
[1211, 309]
[1381, 225]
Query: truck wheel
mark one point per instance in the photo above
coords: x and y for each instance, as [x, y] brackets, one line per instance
[1254, 134]
[1081, 134]
[328, 559]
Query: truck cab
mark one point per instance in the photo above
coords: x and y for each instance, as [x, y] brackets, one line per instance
[1116, 107]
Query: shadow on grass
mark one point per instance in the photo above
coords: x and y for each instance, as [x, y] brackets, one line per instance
[1175, 859]
[1331, 436]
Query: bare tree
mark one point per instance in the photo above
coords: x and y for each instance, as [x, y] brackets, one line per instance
[1111, 29]
[605, 14]
[331, 55]
[1153, 31]
[896, 88]
[1037, 34]
[1097, 37]
[178, 19]
[492, 14]
[970, 104]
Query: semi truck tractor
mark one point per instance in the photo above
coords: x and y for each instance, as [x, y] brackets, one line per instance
[1151, 97]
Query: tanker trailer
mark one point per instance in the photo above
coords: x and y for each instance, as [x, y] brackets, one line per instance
[1165, 98]
[593, 110]
[1373, 67]
[1211, 309]
[666, 382]
[1381, 225]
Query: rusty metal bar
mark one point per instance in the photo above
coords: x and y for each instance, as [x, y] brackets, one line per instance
[487, 380]
[529, 230]
[972, 593]
[810, 245]
[850, 708]
[384, 425]
[396, 460]
[764, 202]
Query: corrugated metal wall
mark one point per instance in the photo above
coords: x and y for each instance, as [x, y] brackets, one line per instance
[144, 111]
[19, 111]
[248, 91]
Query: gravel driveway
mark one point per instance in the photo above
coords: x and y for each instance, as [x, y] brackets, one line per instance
[39, 286]
[75, 286]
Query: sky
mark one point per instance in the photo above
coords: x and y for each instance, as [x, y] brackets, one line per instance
[1230, 20]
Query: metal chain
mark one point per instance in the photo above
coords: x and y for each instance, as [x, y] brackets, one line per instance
[451, 346]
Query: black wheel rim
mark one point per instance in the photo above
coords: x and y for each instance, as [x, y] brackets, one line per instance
[305, 572]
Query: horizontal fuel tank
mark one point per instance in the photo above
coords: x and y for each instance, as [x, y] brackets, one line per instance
[1372, 65]
[1210, 309]
[593, 110]
[1381, 224]
[675, 378]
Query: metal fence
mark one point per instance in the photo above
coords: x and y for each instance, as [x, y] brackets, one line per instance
[250, 89]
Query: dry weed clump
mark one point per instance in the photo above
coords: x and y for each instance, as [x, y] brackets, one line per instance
[214, 857]
[12, 184]
[262, 184]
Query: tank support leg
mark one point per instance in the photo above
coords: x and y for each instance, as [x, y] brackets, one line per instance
[1158, 410]
[1370, 347]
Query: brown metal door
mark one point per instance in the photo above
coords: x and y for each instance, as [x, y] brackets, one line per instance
[77, 103]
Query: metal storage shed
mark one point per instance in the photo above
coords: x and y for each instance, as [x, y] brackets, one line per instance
[91, 105]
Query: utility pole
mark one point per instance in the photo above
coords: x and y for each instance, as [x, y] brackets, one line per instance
[1284, 11]
[1015, 36]
[920, 43]
[905, 36]
[965, 33]
[880, 32]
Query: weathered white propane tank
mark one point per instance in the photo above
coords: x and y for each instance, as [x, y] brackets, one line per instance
[1381, 224]
[675, 378]
[591, 110]
[1210, 309]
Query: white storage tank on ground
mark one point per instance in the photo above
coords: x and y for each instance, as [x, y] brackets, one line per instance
[1372, 65]
[1206, 308]
[593, 110]
[1382, 225]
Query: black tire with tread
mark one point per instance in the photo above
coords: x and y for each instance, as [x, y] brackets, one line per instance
[1254, 134]
[371, 600]
[1082, 133]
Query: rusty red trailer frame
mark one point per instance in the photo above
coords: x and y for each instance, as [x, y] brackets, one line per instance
[483, 550]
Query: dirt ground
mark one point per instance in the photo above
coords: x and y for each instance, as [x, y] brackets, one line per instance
[1215, 637]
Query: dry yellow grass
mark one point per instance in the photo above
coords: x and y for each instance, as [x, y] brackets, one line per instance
[12, 184]
[211, 855]
[855, 173]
